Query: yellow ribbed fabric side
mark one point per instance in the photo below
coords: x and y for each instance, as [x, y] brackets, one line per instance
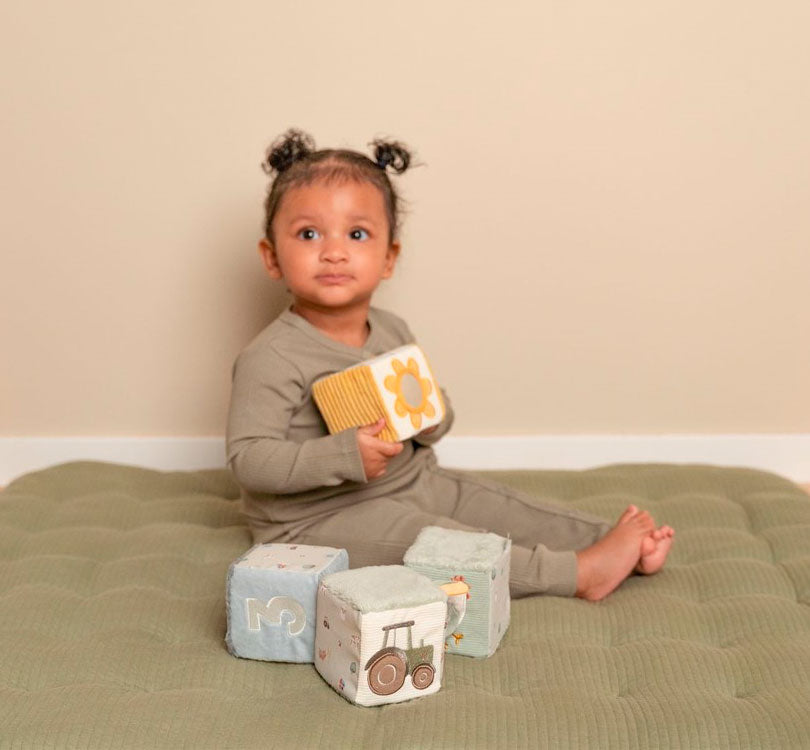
[351, 399]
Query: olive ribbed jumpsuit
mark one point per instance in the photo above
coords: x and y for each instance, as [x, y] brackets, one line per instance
[299, 483]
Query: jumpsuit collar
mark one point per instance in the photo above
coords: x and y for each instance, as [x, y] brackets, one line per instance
[363, 352]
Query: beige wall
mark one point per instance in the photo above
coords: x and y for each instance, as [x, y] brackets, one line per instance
[611, 233]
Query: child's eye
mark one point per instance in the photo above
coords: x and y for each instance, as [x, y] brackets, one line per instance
[355, 232]
[308, 233]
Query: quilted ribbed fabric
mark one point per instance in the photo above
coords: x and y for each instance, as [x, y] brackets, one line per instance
[112, 626]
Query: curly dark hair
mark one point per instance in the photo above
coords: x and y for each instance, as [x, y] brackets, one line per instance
[292, 160]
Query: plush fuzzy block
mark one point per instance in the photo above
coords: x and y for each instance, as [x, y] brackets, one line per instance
[397, 385]
[270, 599]
[481, 561]
[380, 633]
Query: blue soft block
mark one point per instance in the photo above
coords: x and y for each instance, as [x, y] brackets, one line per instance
[270, 596]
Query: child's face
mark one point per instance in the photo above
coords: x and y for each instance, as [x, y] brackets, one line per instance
[331, 244]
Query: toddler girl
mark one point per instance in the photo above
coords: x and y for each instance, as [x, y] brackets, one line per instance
[331, 236]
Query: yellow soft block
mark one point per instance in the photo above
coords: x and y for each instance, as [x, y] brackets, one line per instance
[398, 385]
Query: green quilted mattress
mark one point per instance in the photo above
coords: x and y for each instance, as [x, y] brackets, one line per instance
[112, 625]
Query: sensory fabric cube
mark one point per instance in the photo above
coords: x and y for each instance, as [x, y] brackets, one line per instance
[481, 560]
[270, 600]
[381, 633]
[397, 385]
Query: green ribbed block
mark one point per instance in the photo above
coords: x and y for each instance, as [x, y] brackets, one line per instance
[481, 560]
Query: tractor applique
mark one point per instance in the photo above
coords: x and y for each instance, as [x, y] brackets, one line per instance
[389, 666]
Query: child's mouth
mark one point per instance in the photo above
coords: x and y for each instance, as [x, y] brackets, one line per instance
[333, 278]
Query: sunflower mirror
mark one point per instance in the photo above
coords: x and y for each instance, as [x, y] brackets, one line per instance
[397, 385]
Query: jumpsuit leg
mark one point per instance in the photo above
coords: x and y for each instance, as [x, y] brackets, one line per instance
[504, 510]
[545, 536]
[373, 532]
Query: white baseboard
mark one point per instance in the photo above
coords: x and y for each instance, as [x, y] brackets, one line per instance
[787, 455]
[21, 455]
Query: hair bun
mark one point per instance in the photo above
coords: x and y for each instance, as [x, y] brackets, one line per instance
[391, 153]
[286, 150]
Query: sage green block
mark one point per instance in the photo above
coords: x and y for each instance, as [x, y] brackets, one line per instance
[481, 560]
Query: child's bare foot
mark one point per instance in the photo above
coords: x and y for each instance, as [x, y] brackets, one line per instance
[654, 550]
[604, 565]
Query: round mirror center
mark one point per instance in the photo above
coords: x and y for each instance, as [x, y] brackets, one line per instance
[411, 390]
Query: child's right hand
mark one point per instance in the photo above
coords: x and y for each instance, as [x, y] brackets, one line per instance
[375, 453]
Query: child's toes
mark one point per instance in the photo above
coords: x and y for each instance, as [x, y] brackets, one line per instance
[652, 563]
[628, 514]
[648, 546]
[645, 521]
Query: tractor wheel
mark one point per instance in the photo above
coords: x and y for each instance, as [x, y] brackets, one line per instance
[422, 676]
[387, 673]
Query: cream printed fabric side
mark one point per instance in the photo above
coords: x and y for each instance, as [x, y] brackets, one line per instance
[337, 644]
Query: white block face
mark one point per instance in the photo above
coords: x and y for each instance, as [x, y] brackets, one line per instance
[369, 659]
[401, 660]
[409, 392]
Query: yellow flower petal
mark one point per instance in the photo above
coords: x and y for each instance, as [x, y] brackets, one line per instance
[416, 420]
[399, 368]
[400, 408]
[428, 410]
[391, 382]
[427, 387]
[413, 366]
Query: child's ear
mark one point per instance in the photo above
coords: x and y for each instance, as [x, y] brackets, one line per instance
[391, 259]
[269, 259]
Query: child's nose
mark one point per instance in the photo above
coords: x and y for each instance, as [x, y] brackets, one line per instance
[334, 248]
